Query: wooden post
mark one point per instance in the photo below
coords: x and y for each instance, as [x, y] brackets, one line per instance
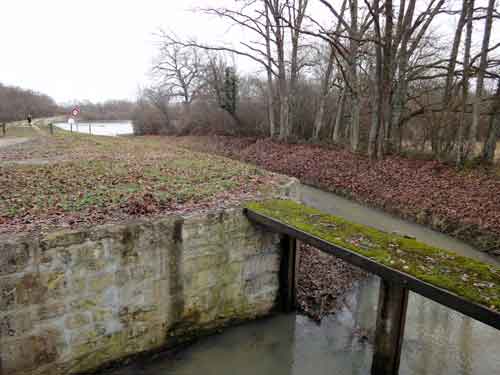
[288, 273]
[4, 131]
[392, 304]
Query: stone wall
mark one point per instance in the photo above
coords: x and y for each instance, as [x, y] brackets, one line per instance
[76, 300]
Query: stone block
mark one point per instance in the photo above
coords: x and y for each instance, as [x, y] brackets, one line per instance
[102, 314]
[261, 264]
[15, 324]
[90, 257]
[50, 311]
[64, 238]
[77, 320]
[260, 283]
[204, 262]
[56, 283]
[20, 291]
[100, 283]
[16, 256]
[31, 352]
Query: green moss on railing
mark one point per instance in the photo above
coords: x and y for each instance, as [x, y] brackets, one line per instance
[466, 277]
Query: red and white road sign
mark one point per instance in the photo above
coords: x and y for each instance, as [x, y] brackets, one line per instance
[75, 112]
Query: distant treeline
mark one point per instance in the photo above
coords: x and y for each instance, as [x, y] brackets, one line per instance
[16, 103]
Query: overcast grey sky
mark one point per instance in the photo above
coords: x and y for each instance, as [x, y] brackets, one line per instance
[103, 49]
[89, 49]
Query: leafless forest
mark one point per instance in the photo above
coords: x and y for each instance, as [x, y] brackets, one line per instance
[380, 77]
[17, 103]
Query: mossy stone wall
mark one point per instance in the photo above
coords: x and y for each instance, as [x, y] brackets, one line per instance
[74, 301]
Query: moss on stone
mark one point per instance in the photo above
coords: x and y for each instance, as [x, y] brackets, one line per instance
[466, 277]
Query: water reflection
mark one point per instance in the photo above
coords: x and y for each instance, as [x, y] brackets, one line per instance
[437, 341]
[441, 341]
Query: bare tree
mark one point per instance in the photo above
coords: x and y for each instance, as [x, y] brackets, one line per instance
[355, 30]
[381, 53]
[296, 12]
[326, 82]
[160, 99]
[179, 68]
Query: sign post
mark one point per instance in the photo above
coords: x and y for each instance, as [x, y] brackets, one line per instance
[74, 113]
[71, 121]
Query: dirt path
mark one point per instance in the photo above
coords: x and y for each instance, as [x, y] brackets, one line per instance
[5, 142]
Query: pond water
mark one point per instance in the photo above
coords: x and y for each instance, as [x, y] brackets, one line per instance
[99, 128]
[437, 340]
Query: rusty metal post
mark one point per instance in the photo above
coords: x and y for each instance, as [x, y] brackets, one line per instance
[389, 332]
[288, 273]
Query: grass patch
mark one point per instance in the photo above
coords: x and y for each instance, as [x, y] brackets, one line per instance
[468, 278]
[91, 179]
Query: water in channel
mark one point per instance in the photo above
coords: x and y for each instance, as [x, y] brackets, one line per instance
[99, 128]
[438, 341]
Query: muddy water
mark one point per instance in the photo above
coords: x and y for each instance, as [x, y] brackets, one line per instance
[437, 339]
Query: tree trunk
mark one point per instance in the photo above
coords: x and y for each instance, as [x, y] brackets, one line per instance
[386, 145]
[297, 13]
[465, 84]
[376, 94]
[454, 54]
[325, 89]
[353, 73]
[404, 33]
[490, 143]
[480, 79]
[270, 89]
[319, 118]
[279, 34]
[375, 116]
[354, 130]
[339, 117]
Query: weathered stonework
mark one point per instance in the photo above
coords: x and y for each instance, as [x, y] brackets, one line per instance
[73, 301]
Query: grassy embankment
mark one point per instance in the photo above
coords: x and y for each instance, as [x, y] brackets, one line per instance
[468, 278]
[67, 180]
